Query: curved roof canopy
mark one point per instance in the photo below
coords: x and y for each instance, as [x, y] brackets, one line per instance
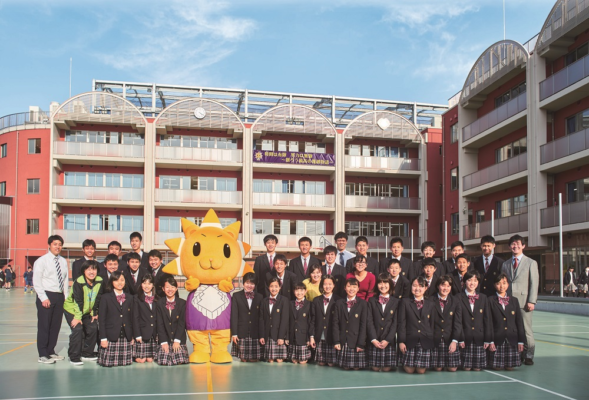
[383, 124]
[560, 28]
[294, 118]
[199, 113]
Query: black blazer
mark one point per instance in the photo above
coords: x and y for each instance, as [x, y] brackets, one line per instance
[144, 319]
[431, 290]
[322, 319]
[261, 268]
[417, 270]
[583, 278]
[299, 323]
[487, 286]
[134, 287]
[402, 288]
[382, 325]
[416, 326]
[507, 324]
[288, 284]
[476, 323]
[406, 265]
[448, 266]
[447, 323]
[350, 327]
[159, 278]
[144, 260]
[372, 266]
[77, 268]
[339, 275]
[245, 321]
[114, 317]
[274, 325]
[296, 267]
[457, 286]
[171, 327]
[567, 278]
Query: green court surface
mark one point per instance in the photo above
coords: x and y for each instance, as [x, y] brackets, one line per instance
[560, 371]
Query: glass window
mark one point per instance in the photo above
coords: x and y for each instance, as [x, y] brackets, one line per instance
[33, 186]
[74, 221]
[132, 138]
[131, 223]
[170, 224]
[112, 180]
[3, 150]
[75, 179]
[206, 183]
[299, 187]
[34, 146]
[267, 145]
[480, 216]
[455, 224]
[95, 180]
[454, 133]
[354, 150]
[293, 146]
[282, 145]
[170, 182]
[2, 188]
[32, 226]
[454, 179]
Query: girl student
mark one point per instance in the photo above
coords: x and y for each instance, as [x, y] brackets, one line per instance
[402, 287]
[382, 325]
[81, 313]
[508, 327]
[116, 323]
[321, 328]
[312, 283]
[171, 325]
[349, 328]
[416, 329]
[366, 280]
[274, 319]
[245, 316]
[447, 326]
[145, 320]
[300, 317]
[476, 323]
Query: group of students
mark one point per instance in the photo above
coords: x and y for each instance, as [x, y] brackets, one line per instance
[573, 283]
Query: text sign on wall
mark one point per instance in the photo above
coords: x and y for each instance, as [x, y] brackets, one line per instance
[287, 157]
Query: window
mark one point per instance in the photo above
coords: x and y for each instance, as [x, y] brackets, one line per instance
[375, 151]
[511, 150]
[376, 190]
[480, 216]
[357, 228]
[197, 141]
[454, 133]
[92, 137]
[454, 179]
[578, 190]
[34, 146]
[33, 186]
[32, 226]
[454, 223]
[513, 206]
[3, 150]
[288, 227]
[2, 188]
[510, 94]
[315, 148]
[288, 186]
[74, 222]
[577, 122]
[576, 54]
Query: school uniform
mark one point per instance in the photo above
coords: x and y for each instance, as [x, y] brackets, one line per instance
[489, 268]
[508, 331]
[417, 270]
[432, 289]
[288, 283]
[570, 279]
[583, 281]
[382, 325]
[338, 273]
[457, 286]
[321, 328]
[476, 329]
[77, 268]
[448, 265]
[145, 326]
[349, 331]
[116, 326]
[300, 318]
[158, 279]
[297, 267]
[274, 320]
[371, 266]
[171, 328]
[144, 259]
[261, 267]
[402, 288]
[245, 317]
[406, 265]
[133, 279]
[416, 331]
[447, 329]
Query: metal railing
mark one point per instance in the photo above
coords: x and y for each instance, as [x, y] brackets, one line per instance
[564, 78]
[100, 237]
[564, 146]
[383, 203]
[381, 242]
[161, 237]
[198, 196]
[495, 117]
[199, 154]
[294, 199]
[24, 118]
[67, 192]
[495, 172]
[503, 226]
[572, 213]
[382, 163]
[98, 149]
[292, 240]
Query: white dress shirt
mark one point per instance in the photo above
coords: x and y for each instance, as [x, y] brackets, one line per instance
[45, 277]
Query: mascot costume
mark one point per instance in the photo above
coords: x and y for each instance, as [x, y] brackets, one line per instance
[210, 257]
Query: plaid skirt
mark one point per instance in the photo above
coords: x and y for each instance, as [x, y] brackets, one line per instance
[583, 287]
[117, 354]
[325, 353]
[442, 359]
[382, 358]
[299, 353]
[506, 356]
[246, 349]
[274, 351]
[474, 356]
[145, 349]
[570, 287]
[350, 358]
[417, 357]
[170, 358]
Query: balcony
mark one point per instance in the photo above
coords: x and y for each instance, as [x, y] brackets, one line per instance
[98, 153]
[566, 152]
[360, 165]
[503, 226]
[572, 213]
[314, 163]
[292, 241]
[172, 198]
[172, 156]
[565, 86]
[286, 200]
[76, 237]
[161, 237]
[498, 123]
[106, 194]
[401, 205]
[381, 243]
[28, 120]
[505, 174]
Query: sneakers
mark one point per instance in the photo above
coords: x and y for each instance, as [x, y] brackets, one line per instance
[76, 362]
[45, 360]
[90, 358]
[56, 357]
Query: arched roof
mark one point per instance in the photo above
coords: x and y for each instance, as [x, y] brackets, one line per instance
[564, 16]
[216, 115]
[294, 118]
[383, 124]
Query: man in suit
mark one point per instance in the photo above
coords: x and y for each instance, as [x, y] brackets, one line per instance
[155, 268]
[134, 273]
[287, 278]
[428, 249]
[136, 239]
[523, 276]
[456, 248]
[265, 263]
[89, 248]
[488, 265]
[300, 266]
[334, 269]
[341, 242]
[396, 246]
[362, 248]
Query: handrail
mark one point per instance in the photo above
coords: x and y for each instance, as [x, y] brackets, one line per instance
[23, 118]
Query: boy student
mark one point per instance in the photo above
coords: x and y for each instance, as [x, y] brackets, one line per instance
[430, 276]
[156, 270]
[113, 247]
[341, 242]
[402, 286]
[135, 240]
[362, 248]
[522, 273]
[111, 264]
[265, 263]
[396, 246]
[428, 250]
[286, 278]
[462, 267]
[456, 248]
[134, 273]
[301, 265]
[488, 265]
[89, 248]
[28, 279]
[331, 267]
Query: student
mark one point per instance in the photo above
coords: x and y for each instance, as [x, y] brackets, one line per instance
[456, 248]
[171, 325]
[9, 276]
[285, 278]
[462, 267]
[476, 324]
[116, 323]
[145, 320]
[488, 265]
[508, 327]
[28, 276]
[300, 318]
[159, 276]
[135, 240]
[321, 328]
[583, 282]
[415, 332]
[382, 325]
[81, 313]
[265, 263]
[343, 255]
[362, 249]
[2, 277]
[366, 280]
[430, 276]
[337, 271]
[312, 283]
[245, 317]
[300, 265]
[134, 273]
[111, 264]
[274, 319]
[349, 328]
[428, 250]
[89, 248]
[570, 278]
[401, 284]
[396, 246]
[115, 248]
[447, 327]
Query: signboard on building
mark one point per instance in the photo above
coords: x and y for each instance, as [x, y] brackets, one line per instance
[287, 157]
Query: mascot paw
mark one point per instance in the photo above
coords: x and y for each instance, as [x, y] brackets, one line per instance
[192, 284]
[226, 286]
[199, 358]
[221, 357]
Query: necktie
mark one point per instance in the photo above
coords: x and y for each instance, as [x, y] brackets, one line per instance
[299, 304]
[271, 262]
[515, 263]
[170, 305]
[280, 282]
[382, 299]
[486, 264]
[328, 270]
[427, 283]
[504, 301]
[249, 295]
[326, 301]
[305, 266]
[59, 275]
[154, 272]
[272, 301]
[341, 259]
[419, 304]
[472, 298]
[351, 303]
[149, 299]
[134, 277]
[121, 298]
[443, 303]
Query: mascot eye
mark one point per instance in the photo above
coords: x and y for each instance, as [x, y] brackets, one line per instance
[196, 249]
[227, 250]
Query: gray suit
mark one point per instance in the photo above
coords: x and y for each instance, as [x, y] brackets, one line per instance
[524, 287]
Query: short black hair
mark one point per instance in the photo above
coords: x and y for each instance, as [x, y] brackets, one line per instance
[329, 249]
[306, 239]
[114, 243]
[313, 268]
[280, 257]
[462, 256]
[393, 261]
[249, 277]
[141, 293]
[111, 257]
[426, 244]
[323, 279]
[457, 243]
[429, 261]
[515, 238]
[384, 277]
[488, 239]
[88, 242]
[115, 276]
[300, 285]
[471, 274]
[169, 279]
[358, 258]
[340, 235]
[88, 264]
[420, 281]
[274, 279]
[394, 240]
[135, 235]
[270, 237]
[499, 277]
[361, 239]
[442, 279]
[53, 238]
[155, 253]
[133, 256]
[352, 282]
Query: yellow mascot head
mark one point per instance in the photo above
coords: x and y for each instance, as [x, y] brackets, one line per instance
[208, 252]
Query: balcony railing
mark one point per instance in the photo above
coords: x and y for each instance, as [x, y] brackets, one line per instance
[100, 237]
[161, 237]
[97, 193]
[564, 146]
[495, 117]
[572, 213]
[294, 199]
[319, 241]
[382, 163]
[199, 154]
[198, 196]
[503, 226]
[98, 149]
[495, 172]
[382, 242]
[25, 118]
[564, 78]
[383, 203]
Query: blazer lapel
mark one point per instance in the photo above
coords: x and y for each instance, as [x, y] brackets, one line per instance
[466, 302]
[414, 308]
[501, 307]
[439, 308]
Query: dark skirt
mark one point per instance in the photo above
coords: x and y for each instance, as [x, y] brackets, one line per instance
[117, 354]
[299, 353]
[474, 356]
[325, 353]
[382, 358]
[442, 359]
[417, 357]
[350, 358]
[246, 349]
[506, 356]
[274, 351]
[146, 349]
[170, 358]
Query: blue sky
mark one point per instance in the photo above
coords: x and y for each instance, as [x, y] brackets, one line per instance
[411, 50]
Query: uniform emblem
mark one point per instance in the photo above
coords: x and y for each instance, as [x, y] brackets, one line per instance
[428, 316]
[403, 273]
[278, 310]
[392, 311]
[481, 310]
[513, 312]
[356, 315]
[304, 314]
[451, 313]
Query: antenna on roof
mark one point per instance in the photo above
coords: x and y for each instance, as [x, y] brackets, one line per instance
[503, 19]
[70, 77]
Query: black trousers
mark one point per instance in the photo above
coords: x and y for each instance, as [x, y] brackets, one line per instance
[49, 323]
[83, 337]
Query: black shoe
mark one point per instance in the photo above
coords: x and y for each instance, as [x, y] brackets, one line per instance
[529, 361]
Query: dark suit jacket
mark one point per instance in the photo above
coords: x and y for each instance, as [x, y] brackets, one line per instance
[476, 323]
[159, 280]
[506, 324]
[402, 288]
[299, 323]
[350, 326]
[144, 319]
[144, 260]
[339, 275]
[406, 265]
[448, 266]
[274, 325]
[417, 270]
[288, 284]
[372, 266]
[382, 325]
[567, 278]
[487, 286]
[447, 323]
[296, 267]
[261, 268]
[431, 290]
[322, 319]
[457, 286]
[77, 268]
[416, 325]
[114, 316]
[134, 287]
[171, 327]
[245, 320]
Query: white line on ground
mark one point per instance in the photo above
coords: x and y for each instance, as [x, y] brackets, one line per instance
[529, 384]
[559, 326]
[563, 333]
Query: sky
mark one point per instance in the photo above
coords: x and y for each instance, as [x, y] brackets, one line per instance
[405, 50]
